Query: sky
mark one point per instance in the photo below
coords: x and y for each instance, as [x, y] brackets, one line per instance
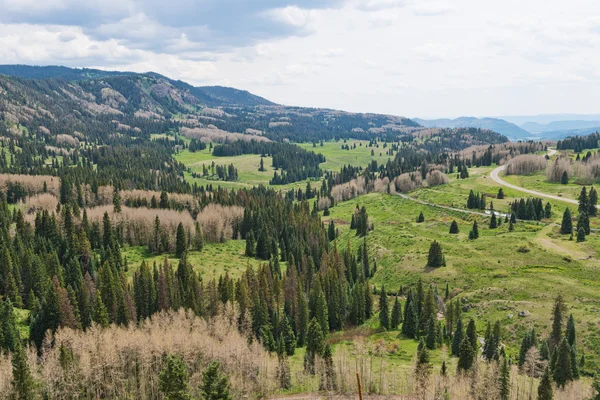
[416, 58]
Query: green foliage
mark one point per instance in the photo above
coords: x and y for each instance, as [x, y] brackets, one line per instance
[23, 383]
[545, 386]
[173, 378]
[215, 384]
[563, 369]
[396, 318]
[384, 312]
[435, 259]
[566, 226]
[454, 228]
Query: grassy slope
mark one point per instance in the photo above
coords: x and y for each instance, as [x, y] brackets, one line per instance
[336, 158]
[491, 271]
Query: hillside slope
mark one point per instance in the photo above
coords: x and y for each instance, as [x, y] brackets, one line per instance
[494, 124]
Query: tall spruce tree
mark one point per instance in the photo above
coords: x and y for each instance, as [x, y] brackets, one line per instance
[545, 386]
[566, 226]
[454, 228]
[181, 242]
[563, 370]
[396, 318]
[504, 380]
[384, 313]
[215, 384]
[23, 384]
[173, 380]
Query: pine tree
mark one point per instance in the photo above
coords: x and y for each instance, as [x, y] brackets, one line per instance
[331, 235]
[545, 386]
[315, 345]
[564, 179]
[431, 338]
[583, 201]
[511, 226]
[493, 221]
[421, 217]
[384, 314]
[563, 370]
[410, 326]
[566, 227]
[557, 322]
[435, 257]
[100, 314]
[457, 338]
[22, 382]
[581, 235]
[173, 379]
[583, 222]
[181, 242]
[500, 194]
[454, 228]
[504, 380]
[474, 234]
[250, 245]
[548, 210]
[467, 356]
[117, 201]
[215, 384]
[396, 314]
[592, 202]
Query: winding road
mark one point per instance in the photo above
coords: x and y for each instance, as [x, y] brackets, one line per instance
[497, 179]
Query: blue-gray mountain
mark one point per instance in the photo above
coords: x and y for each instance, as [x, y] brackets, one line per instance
[508, 129]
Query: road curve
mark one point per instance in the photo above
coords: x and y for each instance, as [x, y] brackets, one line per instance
[497, 179]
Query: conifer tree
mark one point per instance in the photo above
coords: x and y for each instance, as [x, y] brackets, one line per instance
[564, 179]
[410, 326]
[472, 335]
[215, 384]
[100, 314]
[457, 338]
[173, 379]
[474, 234]
[566, 227]
[435, 258]
[384, 313]
[548, 210]
[583, 201]
[583, 222]
[592, 202]
[117, 201]
[467, 355]
[22, 382]
[557, 322]
[181, 242]
[511, 226]
[315, 345]
[581, 235]
[563, 370]
[250, 245]
[454, 228]
[545, 386]
[493, 221]
[421, 217]
[500, 194]
[431, 338]
[301, 317]
[331, 231]
[396, 314]
[504, 379]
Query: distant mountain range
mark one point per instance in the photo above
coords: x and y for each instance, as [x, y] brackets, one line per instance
[508, 129]
[535, 127]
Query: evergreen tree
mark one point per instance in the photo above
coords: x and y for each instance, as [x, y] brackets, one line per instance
[396, 314]
[583, 201]
[564, 179]
[583, 222]
[457, 338]
[421, 217]
[454, 228]
[545, 386]
[557, 322]
[431, 338]
[504, 380]
[117, 201]
[173, 379]
[435, 257]
[331, 235]
[580, 235]
[410, 326]
[384, 314]
[500, 194]
[548, 210]
[592, 202]
[474, 234]
[181, 242]
[566, 227]
[315, 345]
[250, 245]
[563, 370]
[511, 226]
[467, 356]
[493, 221]
[22, 382]
[215, 384]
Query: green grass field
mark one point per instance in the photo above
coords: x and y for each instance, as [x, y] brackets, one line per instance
[500, 274]
[214, 259]
[336, 158]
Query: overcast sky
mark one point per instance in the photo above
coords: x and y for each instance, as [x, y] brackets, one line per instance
[417, 58]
